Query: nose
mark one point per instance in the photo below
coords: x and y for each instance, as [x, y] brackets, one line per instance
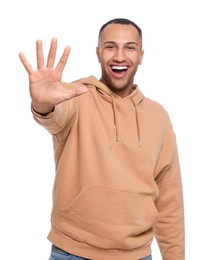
[119, 55]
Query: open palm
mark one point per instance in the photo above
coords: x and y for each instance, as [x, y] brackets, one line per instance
[46, 88]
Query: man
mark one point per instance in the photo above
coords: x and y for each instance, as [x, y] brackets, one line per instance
[118, 181]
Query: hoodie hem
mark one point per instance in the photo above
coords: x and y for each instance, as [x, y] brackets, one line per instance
[72, 246]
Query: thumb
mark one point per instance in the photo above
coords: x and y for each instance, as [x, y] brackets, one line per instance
[80, 90]
[74, 89]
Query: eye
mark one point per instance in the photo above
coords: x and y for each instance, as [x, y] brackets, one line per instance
[110, 46]
[130, 47]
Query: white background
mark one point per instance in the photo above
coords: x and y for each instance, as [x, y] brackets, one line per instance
[175, 72]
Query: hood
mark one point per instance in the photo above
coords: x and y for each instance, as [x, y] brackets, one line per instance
[136, 98]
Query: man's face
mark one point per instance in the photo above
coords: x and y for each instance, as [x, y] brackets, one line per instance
[119, 53]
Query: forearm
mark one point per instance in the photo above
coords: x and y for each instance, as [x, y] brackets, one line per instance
[55, 121]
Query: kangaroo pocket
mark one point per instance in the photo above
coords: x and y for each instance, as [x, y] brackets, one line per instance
[108, 219]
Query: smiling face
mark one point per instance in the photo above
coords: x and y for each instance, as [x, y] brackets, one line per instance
[119, 53]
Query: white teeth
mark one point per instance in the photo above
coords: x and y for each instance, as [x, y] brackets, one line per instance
[119, 67]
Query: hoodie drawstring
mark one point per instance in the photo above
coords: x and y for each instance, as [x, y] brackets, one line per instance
[117, 124]
[137, 124]
[136, 96]
[115, 119]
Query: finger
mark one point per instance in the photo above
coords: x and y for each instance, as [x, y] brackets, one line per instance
[63, 59]
[25, 63]
[79, 91]
[39, 55]
[52, 53]
[73, 89]
[69, 94]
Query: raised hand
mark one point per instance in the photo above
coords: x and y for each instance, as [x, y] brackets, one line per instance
[46, 88]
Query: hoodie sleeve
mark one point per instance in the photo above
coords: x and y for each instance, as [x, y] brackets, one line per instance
[60, 119]
[64, 114]
[169, 231]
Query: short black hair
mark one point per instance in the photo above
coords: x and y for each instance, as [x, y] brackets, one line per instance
[121, 21]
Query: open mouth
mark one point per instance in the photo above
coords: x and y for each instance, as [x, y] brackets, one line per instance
[119, 69]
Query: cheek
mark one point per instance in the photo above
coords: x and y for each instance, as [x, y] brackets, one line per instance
[137, 61]
[102, 58]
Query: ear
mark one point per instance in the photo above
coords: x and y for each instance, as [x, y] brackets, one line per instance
[98, 55]
[141, 57]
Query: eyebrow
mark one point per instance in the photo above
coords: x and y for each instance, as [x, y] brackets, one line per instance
[108, 42]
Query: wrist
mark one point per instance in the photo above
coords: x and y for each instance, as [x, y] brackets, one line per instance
[43, 111]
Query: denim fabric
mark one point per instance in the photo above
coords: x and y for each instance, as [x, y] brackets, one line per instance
[147, 258]
[59, 254]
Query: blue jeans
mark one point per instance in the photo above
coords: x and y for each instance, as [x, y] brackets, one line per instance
[59, 254]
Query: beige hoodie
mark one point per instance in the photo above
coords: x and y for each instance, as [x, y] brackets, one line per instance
[118, 180]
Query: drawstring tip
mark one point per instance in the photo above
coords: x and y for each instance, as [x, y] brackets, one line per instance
[139, 143]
